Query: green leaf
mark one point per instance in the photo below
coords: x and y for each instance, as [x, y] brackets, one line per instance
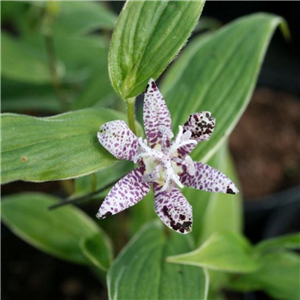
[147, 37]
[24, 63]
[98, 90]
[54, 148]
[291, 241]
[81, 56]
[81, 17]
[92, 247]
[218, 73]
[278, 276]
[141, 272]
[85, 59]
[215, 211]
[57, 232]
[224, 211]
[68, 18]
[222, 251]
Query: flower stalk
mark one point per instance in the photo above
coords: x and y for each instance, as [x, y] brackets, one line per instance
[131, 114]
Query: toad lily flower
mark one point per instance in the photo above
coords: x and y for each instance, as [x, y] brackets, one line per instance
[163, 161]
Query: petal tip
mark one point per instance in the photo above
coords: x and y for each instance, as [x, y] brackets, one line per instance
[151, 86]
[102, 216]
[186, 230]
[231, 189]
[201, 125]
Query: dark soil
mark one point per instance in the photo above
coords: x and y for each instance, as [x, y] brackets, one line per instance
[266, 144]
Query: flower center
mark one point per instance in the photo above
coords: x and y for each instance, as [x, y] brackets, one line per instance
[162, 162]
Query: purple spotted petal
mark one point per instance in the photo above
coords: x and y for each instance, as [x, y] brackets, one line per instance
[173, 209]
[126, 192]
[208, 179]
[201, 125]
[156, 113]
[118, 139]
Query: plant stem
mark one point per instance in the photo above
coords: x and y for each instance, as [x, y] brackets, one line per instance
[53, 71]
[131, 114]
[82, 198]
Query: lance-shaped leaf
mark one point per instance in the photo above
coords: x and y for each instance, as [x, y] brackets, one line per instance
[147, 37]
[277, 276]
[224, 211]
[54, 148]
[141, 272]
[218, 73]
[58, 232]
[216, 211]
[223, 252]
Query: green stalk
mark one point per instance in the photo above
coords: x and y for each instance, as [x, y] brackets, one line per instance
[53, 71]
[131, 114]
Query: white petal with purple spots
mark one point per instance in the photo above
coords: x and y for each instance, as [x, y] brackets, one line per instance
[125, 193]
[208, 179]
[156, 113]
[201, 126]
[118, 139]
[173, 209]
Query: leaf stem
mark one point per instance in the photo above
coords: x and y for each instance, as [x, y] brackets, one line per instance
[131, 114]
[53, 71]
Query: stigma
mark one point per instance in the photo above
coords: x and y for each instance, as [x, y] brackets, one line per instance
[163, 164]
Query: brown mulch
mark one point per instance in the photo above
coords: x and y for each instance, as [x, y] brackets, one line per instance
[266, 144]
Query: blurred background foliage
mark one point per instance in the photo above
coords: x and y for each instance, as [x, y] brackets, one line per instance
[68, 38]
